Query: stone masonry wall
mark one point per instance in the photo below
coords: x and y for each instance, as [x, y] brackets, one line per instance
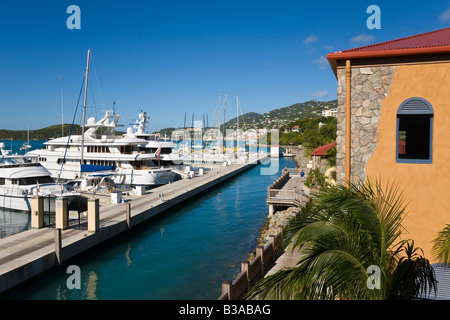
[369, 87]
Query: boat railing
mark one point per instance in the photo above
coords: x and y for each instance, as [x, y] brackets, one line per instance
[18, 165]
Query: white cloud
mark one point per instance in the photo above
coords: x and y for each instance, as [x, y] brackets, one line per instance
[322, 62]
[319, 94]
[362, 39]
[445, 16]
[311, 39]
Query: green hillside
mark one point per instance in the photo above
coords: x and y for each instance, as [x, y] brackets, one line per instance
[276, 118]
[282, 116]
[47, 133]
[39, 134]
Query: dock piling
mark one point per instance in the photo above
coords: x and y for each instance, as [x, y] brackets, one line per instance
[58, 245]
[93, 215]
[61, 213]
[260, 252]
[128, 214]
[37, 212]
[245, 266]
[226, 289]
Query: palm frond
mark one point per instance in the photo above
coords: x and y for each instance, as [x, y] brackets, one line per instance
[340, 233]
[441, 246]
[413, 276]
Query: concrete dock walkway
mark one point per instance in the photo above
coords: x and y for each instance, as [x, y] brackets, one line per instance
[26, 254]
[288, 259]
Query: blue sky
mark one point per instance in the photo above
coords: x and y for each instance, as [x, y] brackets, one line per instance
[172, 57]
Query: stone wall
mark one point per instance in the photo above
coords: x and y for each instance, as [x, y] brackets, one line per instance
[369, 87]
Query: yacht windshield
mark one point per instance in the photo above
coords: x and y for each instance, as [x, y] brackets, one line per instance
[7, 161]
[35, 180]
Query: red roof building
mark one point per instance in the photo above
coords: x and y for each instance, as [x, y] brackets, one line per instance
[322, 151]
[429, 43]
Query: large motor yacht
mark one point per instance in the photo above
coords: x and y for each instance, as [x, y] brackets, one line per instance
[100, 150]
[163, 149]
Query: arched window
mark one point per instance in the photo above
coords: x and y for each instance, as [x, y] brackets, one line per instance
[415, 131]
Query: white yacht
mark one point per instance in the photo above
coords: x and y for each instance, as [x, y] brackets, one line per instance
[100, 150]
[162, 149]
[22, 177]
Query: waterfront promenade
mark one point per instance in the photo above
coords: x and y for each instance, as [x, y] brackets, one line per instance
[25, 255]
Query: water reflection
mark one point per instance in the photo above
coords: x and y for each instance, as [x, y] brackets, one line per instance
[12, 222]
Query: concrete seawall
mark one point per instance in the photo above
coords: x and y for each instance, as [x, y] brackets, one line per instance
[29, 253]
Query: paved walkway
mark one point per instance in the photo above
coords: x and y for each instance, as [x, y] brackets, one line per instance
[287, 259]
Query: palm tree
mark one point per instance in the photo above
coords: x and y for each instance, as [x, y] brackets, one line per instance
[349, 240]
[441, 247]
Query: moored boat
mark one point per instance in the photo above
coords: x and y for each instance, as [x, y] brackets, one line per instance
[23, 177]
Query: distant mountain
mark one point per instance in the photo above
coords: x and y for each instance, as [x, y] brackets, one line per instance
[277, 117]
[40, 134]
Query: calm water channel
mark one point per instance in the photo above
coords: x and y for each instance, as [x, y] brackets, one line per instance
[184, 253]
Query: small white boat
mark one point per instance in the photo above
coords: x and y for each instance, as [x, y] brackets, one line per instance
[22, 177]
[26, 145]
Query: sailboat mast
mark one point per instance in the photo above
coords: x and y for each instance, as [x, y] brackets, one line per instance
[224, 112]
[62, 112]
[84, 107]
[237, 114]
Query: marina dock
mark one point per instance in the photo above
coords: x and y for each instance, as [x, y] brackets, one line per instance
[287, 190]
[29, 253]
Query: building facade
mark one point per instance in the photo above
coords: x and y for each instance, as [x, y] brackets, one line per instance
[393, 124]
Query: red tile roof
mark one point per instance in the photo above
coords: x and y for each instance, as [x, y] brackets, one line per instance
[321, 151]
[432, 42]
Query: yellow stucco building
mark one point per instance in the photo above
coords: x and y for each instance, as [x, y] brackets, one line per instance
[394, 124]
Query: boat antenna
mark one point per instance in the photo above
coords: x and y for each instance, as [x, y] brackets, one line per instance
[84, 107]
[237, 115]
[62, 112]
[224, 112]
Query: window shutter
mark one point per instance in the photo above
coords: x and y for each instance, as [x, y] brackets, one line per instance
[413, 106]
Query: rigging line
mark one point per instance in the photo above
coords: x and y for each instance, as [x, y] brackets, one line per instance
[93, 98]
[96, 80]
[71, 127]
[243, 120]
[214, 115]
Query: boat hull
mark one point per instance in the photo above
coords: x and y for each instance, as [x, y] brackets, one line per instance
[23, 203]
[149, 177]
[16, 203]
